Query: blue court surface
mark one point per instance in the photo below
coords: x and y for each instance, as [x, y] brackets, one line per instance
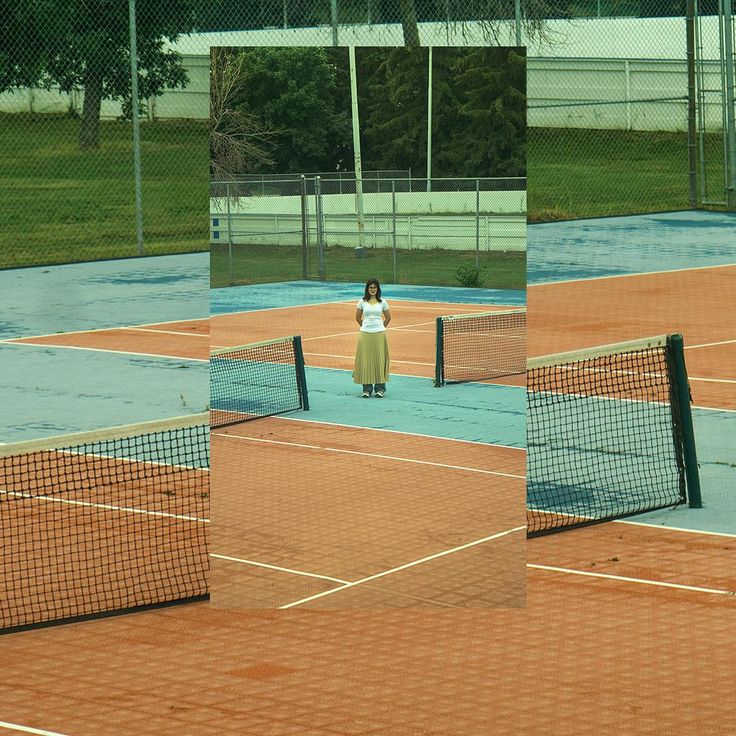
[48, 391]
[88, 296]
[475, 412]
[715, 434]
[55, 390]
[615, 246]
[298, 293]
[637, 244]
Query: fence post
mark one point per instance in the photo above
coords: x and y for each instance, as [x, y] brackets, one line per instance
[393, 216]
[305, 225]
[229, 236]
[692, 134]
[730, 103]
[136, 128]
[477, 224]
[320, 229]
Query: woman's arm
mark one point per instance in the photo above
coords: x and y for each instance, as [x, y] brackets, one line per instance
[359, 316]
[386, 317]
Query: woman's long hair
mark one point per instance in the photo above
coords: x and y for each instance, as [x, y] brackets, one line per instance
[366, 295]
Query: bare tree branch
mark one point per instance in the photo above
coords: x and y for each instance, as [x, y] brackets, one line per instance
[238, 140]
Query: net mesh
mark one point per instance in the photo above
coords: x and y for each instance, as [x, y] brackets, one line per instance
[476, 347]
[104, 524]
[258, 380]
[603, 437]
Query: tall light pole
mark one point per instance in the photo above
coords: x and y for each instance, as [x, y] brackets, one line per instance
[356, 146]
[136, 128]
[429, 122]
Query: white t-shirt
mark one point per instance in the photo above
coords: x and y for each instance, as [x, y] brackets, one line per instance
[373, 315]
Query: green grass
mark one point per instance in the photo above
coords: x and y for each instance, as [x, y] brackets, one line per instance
[575, 173]
[61, 204]
[257, 264]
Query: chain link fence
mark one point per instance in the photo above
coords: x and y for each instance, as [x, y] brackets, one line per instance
[630, 107]
[450, 232]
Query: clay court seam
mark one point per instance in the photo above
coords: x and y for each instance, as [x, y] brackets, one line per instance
[279, 569]
[374, 455]
[406, 566]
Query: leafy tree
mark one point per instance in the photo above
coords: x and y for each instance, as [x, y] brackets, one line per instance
[23, 45]
[394, 102]
[491, 139]
[295, 92]
[239, 143]
[85, 44]
[478, 110]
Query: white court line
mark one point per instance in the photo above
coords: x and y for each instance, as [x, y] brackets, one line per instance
[638, 581]
[352, 357]
[710, 344]
[107, 350]
[391, 431]
[276, 309]
[163, 332]
[355, 332]
[105, 506]
[28, 729]
[373, 455]
[460, 306]
[406, 566]
[412, 375]
[629, 275]
[104, 329]
[712, 380]
[674, 528]
[280, 569]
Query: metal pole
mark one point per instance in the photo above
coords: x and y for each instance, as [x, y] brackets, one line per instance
[517, 21]
[229, 235]
[692, 133]
[700, 87]
[730, 111]
[682, 390]
[429, 121]
[136, 129]
[393, 216]
[305, 259]
[356, 146]
[320, 229]
[477, 224]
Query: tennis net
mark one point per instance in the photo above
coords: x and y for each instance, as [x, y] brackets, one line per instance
[477, 347]
[609, 434]
[257, 380]
[103, 522]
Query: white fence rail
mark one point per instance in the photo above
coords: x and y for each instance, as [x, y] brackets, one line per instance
[423, 232]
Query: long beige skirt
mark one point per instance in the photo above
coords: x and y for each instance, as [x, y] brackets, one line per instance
[371, 359]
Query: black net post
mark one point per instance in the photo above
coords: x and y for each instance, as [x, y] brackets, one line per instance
[682, 388]
[301, 375]
[439, 355]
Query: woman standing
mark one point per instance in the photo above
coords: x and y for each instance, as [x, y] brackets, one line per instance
[371, 358]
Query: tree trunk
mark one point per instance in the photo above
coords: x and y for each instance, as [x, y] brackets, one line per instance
[89, 130]
[409, 23]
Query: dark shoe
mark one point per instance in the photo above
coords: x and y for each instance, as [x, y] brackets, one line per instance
[379, 394]
[366, 395]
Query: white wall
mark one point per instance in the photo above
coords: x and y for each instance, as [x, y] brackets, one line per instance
[423, 232]
[589, 61]
[423, 220]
